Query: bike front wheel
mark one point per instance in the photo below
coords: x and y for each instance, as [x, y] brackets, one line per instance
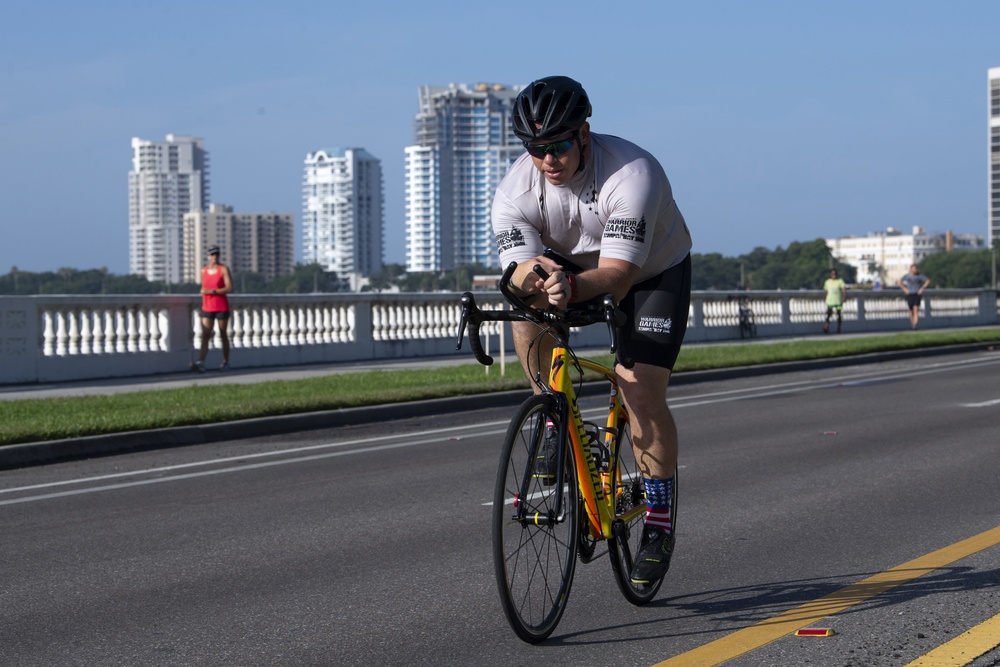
[534, 537]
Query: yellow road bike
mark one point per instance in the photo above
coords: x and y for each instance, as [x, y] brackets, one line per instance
[564, 484]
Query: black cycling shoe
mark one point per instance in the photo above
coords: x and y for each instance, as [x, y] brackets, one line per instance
[653, 560]
[547, 459]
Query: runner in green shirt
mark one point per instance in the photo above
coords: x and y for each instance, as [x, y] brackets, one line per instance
[836, 294]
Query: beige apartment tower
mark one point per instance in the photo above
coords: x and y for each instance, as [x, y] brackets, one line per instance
[261, 243]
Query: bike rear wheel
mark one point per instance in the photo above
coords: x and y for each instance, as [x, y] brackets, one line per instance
[534, 556]
[630, 497]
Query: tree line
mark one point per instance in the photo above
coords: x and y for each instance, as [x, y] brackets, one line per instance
[802, 265]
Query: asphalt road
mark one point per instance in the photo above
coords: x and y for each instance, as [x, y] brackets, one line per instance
[369, 545]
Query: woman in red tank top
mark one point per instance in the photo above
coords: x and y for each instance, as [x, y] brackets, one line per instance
[216, 283]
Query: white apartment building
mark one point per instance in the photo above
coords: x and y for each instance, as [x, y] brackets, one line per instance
[886, 256]
[463, 145]
[343, 213]
[993, 152]
[168, 179]
[261, 243]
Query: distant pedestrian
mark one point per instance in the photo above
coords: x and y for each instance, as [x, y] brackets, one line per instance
[836, 295]
[914, 283]
[216, 283]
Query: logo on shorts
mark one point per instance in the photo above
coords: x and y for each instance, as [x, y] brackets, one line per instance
[626, 229]
[655, 324]
[510, 239]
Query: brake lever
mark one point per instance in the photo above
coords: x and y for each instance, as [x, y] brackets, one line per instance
[470, 318]
[468, 303]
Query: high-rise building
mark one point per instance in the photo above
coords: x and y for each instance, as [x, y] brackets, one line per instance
[463, 145]
[168, 179]
[342, 213]
[261, 243]
[993, 206]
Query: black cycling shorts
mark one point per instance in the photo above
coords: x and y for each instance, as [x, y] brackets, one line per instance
[215, 314]
[657, 312]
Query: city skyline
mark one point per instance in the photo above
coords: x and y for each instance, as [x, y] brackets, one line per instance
[776, 122]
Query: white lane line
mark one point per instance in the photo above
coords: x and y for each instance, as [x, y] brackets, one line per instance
[500, 426]
[244, 457]
[208, 473]
[985, 404]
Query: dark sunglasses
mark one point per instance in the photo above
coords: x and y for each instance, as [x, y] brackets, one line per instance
[554, 149]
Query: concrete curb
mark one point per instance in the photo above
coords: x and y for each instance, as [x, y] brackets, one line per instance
[51, 451]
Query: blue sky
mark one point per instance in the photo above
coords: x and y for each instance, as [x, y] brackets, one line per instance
[776, 121]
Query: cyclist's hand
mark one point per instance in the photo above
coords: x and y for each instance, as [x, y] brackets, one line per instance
[557, 288]
[541, 285]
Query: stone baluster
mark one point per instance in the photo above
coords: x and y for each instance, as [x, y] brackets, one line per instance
[131, 338]
[378, 321]
[74, 331]
[155, 336]
[61, 336]
[48, 335]
[142, 317]
[86, 335]
[269, 324]
[326, 313]
[256, 324]
[298, 329]
[109, 331]
[310, 324]
[283, 331]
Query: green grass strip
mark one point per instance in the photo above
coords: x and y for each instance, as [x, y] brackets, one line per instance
[32, 420]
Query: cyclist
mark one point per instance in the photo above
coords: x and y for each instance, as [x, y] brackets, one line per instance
[597, 212]
[836, 295]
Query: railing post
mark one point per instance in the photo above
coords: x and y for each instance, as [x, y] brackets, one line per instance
[20, 340]
[697, 312]
[786, 310]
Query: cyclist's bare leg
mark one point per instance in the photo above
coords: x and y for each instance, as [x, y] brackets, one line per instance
[654, 432]
[539, 354]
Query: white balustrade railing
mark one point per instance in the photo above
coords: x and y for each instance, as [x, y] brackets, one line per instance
[51, 338]
[71, 330]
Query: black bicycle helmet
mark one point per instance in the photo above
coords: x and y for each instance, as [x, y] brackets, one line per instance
[548, 108]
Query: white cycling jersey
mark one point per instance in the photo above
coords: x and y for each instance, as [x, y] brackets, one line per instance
[620, 206]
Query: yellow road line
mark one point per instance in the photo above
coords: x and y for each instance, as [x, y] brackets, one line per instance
[964, 648]
[759, 634]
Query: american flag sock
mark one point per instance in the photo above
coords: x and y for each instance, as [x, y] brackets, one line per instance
[659, 500]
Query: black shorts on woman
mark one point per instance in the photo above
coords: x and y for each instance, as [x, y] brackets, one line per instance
[657, 310]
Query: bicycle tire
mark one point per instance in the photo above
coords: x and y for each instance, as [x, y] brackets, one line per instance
[534, 564]
[626, 538]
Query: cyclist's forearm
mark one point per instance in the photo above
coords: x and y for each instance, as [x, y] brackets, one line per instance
[610, 277]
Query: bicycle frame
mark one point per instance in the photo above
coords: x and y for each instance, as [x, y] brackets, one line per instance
[595, 490]
[594, 484]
